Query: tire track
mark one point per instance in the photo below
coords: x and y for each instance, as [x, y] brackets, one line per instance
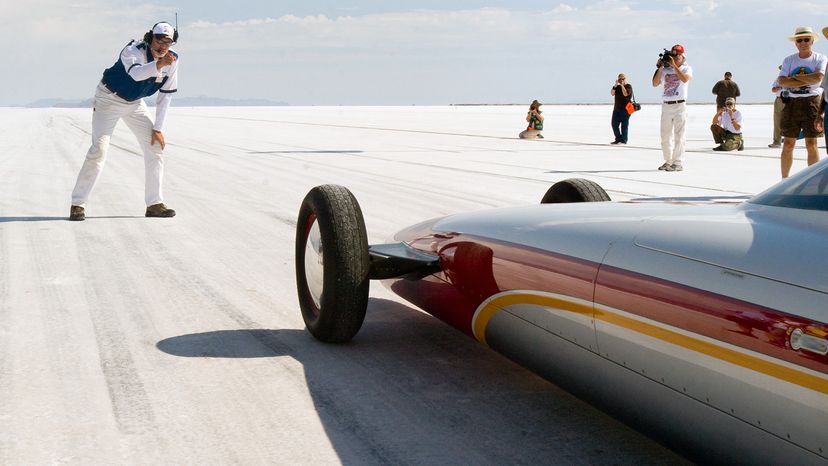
[5, 352]
[366, 155]
[483, 136]
[131, 407]
[381, 180]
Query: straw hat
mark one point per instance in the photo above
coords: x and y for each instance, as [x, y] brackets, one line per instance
[825, 32]
[804, 31]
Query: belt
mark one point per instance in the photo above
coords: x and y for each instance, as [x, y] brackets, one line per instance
[112, 91]
[109, 88]
[106, 87]
[671, 102]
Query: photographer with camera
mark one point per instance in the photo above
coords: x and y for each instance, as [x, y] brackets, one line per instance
[672, 70]
[535, 119]
[727, 127]
[143, 68]
[800, 78]
[620, 117]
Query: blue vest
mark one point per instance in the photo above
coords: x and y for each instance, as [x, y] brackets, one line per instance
[117, 80]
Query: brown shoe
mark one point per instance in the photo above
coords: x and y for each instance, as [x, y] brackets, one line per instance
[77, 214]
[159, 210]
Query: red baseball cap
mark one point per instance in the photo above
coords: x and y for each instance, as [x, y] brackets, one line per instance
[678, 48]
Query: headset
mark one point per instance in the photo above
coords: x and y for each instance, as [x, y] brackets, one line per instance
[149, 34]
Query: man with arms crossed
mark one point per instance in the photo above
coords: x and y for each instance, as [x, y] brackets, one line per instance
[800, 78]
[675, 74]
[144, 68]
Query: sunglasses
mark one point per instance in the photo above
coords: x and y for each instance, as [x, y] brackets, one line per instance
[804, 39]
[163, 40]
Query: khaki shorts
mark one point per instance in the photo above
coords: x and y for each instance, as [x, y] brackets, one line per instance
[800, 114]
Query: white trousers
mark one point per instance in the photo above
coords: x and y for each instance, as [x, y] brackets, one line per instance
[108, 109]
[673, 125]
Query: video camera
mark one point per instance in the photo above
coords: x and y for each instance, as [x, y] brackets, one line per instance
[664, 57]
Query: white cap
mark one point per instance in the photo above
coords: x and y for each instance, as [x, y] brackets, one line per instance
[163, 29]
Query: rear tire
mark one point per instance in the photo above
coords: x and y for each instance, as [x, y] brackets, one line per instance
[332, 263]
[575, 190]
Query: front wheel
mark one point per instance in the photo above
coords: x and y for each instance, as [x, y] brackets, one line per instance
[575, 190]
[332, 263]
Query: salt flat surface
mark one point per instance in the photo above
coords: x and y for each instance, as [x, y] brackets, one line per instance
[133, 340]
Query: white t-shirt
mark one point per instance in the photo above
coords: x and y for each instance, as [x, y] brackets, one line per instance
[793, 65]
[675, 88]
[727, 123]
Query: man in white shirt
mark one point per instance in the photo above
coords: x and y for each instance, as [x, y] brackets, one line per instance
[143, 68]
[727, 127]
[800, 78]
[675, 74]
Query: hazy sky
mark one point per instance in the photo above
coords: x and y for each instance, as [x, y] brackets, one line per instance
[375, 52]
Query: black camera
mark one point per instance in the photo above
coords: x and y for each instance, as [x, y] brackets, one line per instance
[665, 56]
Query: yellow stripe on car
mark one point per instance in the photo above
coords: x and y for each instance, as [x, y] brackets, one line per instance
[493, 305]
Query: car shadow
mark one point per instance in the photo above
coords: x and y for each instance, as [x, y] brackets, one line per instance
[410, 389]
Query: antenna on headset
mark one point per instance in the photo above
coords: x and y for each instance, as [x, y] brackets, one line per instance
[176, 20]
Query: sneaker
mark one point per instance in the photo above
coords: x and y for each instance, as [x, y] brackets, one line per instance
[665, 167]
[77, 213]
[675, 167]
[622, 143]
[719, 148]
[540, 136]
[775, 145]
[615, 142]
[159, 210]
[742, 145]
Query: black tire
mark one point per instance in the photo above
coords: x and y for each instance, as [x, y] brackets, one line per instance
[575, 190]
[343, 297]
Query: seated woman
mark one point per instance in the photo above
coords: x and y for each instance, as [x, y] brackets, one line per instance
[535, 120]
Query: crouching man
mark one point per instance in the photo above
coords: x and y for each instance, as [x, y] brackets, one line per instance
[727, 127]
[143, 68]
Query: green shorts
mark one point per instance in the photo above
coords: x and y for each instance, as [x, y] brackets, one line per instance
[800, 114]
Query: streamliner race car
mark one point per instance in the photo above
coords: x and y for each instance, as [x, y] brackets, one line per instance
[705, 324]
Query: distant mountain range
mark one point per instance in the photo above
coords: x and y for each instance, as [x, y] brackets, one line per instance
[200, 101]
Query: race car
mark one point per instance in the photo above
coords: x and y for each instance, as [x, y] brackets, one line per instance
[704, 324]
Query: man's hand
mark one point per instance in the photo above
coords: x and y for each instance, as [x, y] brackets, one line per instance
[166, 60]
[158, 136]
[819, 123]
